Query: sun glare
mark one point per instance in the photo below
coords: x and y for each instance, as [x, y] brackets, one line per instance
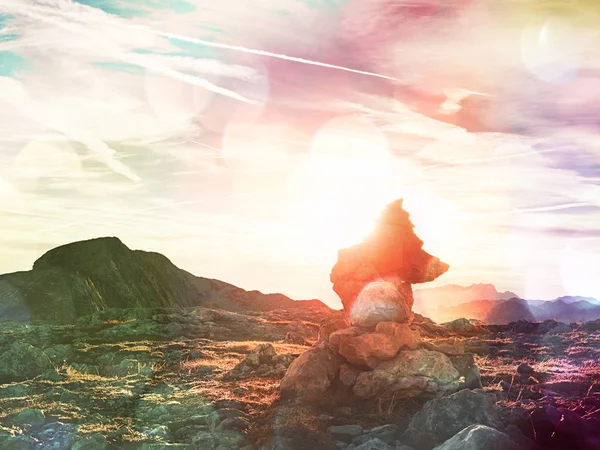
[337, 196]
[338, 193]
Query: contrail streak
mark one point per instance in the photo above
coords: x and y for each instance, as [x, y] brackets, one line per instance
[131, 58]
[530, 210]
[243, 49]
[459, 162]
[232, 47]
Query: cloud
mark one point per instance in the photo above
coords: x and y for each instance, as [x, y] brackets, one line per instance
[216, 108]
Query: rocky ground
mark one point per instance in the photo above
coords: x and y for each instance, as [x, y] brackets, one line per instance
[209, 379]
[144, 378]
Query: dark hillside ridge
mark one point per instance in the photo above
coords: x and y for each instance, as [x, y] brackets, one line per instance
[87, 276]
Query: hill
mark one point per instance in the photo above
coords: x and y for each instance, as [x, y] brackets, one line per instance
[84, 277]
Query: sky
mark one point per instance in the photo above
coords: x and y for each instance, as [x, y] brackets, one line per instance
[249, 141]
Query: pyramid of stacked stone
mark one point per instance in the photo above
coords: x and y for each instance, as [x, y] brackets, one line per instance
[374, 278]
[378, 349]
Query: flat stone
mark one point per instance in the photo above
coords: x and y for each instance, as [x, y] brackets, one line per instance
[345, 432]
[434, 365]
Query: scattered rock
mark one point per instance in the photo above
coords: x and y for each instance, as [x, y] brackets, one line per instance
[262, 361]
[31, 417]
[372, 444]
[291, 337]
[234, 423]
[93, 442]
[442, 418]
[345, 432]
[478, 437]
[525, 369]
[55, 436]
[215, 418]
[462, 326]
[21, 361]
[385, 433]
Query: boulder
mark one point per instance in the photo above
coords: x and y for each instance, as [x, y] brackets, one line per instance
[374, 383]
[409, 337]
[433, 365]
[442, 418]
[380, 301]
[368, 350]
[21, 361]
[478, 437]
[309, 377]
[337, 336]
[261, 354]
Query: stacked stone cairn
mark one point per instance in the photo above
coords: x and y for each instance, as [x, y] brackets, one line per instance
[377, 350]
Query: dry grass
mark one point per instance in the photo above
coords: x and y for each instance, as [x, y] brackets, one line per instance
[73, 374]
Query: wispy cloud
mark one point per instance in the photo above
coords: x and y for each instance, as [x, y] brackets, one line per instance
[260, 136]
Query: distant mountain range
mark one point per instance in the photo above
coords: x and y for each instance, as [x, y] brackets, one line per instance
[485, 303]
[453, 295]
[83, 277]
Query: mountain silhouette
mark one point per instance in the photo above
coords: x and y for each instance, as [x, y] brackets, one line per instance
[83, 277]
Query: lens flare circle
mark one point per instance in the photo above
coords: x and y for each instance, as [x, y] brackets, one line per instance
[552, 51]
